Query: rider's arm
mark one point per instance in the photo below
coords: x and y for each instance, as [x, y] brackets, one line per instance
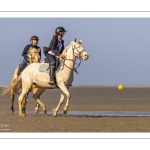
[53, 45]
[24, 53]
[62, 49]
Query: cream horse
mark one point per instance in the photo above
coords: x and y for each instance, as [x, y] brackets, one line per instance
[34, 57]
[64, 78]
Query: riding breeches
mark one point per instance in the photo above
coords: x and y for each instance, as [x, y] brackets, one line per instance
[50, 58]
[23, 63]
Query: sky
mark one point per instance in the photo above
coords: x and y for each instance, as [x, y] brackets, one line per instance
[118, 48]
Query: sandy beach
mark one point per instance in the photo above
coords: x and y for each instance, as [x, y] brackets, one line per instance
[83, 99]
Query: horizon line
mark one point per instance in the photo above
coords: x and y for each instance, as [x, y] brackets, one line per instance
[102, 85]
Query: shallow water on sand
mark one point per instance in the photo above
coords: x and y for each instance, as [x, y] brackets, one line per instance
[93, 113]
[104, 113]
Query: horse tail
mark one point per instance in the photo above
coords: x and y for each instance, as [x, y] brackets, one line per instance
[5, 90]
[17, 85]
[14, 87]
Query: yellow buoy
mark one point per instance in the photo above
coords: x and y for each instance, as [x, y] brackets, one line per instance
[120, 87]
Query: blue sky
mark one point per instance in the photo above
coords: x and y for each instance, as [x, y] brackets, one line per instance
[119, 48]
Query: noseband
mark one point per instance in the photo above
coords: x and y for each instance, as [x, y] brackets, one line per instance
[79, 53]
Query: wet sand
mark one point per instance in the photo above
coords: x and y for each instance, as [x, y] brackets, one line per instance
[83, 99]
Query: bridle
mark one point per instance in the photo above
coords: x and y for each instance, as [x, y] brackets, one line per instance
[79, 53]
[78, 57]
[35, 57]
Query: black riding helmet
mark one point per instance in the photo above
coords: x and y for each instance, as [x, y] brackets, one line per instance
[34, 38]
[60, 29]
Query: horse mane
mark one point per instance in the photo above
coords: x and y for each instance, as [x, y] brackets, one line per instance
[71, 43]
[66, 48]
[32, 50]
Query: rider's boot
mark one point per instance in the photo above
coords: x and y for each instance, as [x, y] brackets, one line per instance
[51, 73]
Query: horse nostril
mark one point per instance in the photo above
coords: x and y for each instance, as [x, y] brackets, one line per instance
[86, 55]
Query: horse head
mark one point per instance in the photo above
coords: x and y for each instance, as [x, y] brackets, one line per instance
[78, 49]
[34, 55]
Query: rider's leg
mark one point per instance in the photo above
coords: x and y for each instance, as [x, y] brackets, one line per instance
[22, 65]
[52, 61]
[51, 73]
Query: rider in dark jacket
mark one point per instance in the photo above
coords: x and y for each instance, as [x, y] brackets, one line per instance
[34, 41]
[56, 48]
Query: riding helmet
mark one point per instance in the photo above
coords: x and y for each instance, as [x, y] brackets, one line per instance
[34, 38]
[60, 29]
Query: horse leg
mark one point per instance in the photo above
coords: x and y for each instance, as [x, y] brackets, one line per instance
[12, 97]
[68, 96]
[36, 110]
[36, 96]
[20, 99]
[59, 105]
[24, 102]
[34, 90]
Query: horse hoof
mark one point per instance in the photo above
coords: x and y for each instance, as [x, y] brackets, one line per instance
[54, 115]
[36, 111]
[11, 113]
[22, 115]
[64, 111]
[44, 111]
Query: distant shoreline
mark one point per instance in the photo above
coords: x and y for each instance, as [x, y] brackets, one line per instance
[3, 85]
[104, 86]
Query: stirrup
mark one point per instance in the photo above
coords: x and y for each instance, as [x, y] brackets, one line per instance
[52, 82]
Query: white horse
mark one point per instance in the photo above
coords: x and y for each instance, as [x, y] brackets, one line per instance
[64, 77]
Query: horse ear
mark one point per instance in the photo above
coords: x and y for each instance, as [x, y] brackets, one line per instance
[75, 40]
[80, 40]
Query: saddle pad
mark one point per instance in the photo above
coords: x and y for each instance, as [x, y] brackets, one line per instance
[44, 67]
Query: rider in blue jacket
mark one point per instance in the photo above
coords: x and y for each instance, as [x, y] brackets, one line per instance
[34, 41]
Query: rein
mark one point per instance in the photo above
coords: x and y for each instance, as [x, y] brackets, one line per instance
[74, 69]
[79, 57]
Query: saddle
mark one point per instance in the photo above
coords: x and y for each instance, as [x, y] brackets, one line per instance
[44, 67]
[45, 50]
